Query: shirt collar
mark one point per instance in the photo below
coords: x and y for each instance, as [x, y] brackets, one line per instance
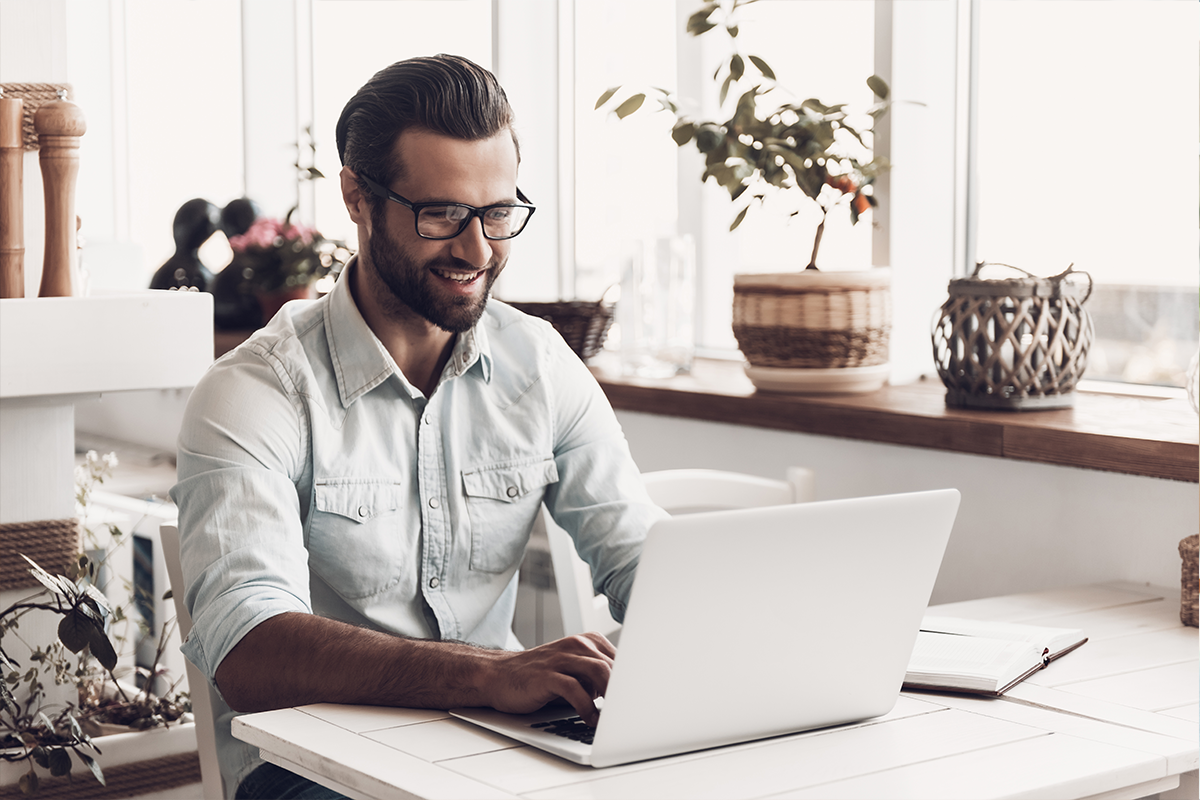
[361, 362]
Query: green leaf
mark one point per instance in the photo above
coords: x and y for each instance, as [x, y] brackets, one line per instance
[28, 783]
[606, 96]
[683, 132]
[698, 22]
[732, 30]
[60, 762]
[725, 87]
[738, 219]
[74, 630]
[40, 757]
[762, 67]
[103, 649]
[93, 765]
[878, 86]
[631, 105]
[737, 67]
[55, 585]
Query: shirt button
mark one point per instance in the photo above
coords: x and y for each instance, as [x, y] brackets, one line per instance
[363, 511]
[512, 491]
[433, 502]
[434, 583]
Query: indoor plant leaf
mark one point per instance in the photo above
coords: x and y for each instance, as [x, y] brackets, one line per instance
[738, 219]
[878, 86]
[60, 762]
[606, 96]
[762, 67]
[74, 630]
[52, 583]
[737, 67]
[630, 105]
[93, 765]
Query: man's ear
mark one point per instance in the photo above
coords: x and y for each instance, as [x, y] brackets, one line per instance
[356, 201]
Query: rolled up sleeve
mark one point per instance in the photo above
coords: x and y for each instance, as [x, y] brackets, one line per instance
[241, 455]
[600, 499]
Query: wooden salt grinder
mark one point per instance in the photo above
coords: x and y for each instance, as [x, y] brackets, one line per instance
[12, 209]
[59, 124]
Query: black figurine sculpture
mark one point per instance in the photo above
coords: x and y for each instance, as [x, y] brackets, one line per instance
[234, 309]
[195, 221]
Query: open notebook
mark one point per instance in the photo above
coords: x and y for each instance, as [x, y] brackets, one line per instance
[754, 623]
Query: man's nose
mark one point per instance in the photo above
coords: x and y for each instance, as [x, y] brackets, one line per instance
[472, 246]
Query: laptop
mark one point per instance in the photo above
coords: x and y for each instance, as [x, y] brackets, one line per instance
[759, 622]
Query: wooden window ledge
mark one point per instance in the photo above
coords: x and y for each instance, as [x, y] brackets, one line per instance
[1134, 435]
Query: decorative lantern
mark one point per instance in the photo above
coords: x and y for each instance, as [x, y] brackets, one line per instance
[1017, 343]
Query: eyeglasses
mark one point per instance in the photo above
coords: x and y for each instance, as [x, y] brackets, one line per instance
[447, 220]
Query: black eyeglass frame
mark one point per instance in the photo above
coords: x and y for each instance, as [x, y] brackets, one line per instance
[386, 193]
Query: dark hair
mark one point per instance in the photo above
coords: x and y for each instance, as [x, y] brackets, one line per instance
[445, 94]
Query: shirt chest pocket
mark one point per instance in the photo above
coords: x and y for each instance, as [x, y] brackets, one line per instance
[502, 502]
[357, 542]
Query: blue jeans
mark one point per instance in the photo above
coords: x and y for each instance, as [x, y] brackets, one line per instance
[269, 782]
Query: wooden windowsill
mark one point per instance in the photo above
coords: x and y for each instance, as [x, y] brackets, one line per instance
[1137, 436]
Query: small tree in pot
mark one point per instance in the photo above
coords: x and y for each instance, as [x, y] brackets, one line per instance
[788, 321]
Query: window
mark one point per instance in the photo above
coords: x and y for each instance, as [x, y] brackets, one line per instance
[1087, 137]
[381, 33]
[633, 183]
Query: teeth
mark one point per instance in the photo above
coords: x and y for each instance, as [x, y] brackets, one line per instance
[460, 277]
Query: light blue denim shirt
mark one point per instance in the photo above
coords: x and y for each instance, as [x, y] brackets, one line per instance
[313, 477]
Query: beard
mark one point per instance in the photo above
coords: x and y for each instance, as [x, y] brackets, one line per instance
[411, 286]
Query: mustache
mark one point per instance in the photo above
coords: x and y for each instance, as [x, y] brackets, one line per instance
[453, 264]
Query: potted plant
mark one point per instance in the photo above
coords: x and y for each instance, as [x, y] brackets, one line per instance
[274, 261]
[804, 330]
[100, 721]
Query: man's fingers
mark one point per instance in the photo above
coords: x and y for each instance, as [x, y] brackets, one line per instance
[571, 691]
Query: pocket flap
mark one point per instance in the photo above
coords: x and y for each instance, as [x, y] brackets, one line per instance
[359, 500]
[510, 482]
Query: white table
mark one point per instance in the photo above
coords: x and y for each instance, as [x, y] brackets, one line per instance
[1115, 719]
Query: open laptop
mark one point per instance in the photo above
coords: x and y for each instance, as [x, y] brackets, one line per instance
[758, 622]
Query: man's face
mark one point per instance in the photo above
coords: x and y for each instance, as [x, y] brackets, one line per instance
[447, 281]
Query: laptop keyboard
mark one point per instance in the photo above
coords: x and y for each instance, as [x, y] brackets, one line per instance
[573, 728]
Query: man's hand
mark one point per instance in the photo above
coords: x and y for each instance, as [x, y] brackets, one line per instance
[575, 669]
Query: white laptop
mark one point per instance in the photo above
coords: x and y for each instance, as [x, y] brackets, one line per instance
[754, 623]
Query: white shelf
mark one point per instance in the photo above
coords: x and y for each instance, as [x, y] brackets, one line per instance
[52, 346]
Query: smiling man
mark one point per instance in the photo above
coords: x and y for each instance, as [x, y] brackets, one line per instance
[358, 480]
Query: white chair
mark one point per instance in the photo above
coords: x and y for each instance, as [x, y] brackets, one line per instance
[678, 491]
[206, 739]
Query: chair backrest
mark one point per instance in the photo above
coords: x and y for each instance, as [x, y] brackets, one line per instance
[678, 491]
[202, 709]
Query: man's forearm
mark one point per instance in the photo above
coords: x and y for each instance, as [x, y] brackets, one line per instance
[295, 659]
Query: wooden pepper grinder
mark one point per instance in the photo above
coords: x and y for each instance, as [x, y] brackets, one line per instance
[12, 216]
[59, 124]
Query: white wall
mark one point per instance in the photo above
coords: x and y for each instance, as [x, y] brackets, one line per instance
[1021, 527]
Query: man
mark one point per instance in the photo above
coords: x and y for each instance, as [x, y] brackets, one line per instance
[357, 481]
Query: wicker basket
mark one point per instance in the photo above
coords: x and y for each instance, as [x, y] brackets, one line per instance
[1188, 598]
[813, 319]
[34, 96]
[52, 544]
[583, 324]
[1017, 343]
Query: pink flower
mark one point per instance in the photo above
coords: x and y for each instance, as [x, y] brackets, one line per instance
[268, 234]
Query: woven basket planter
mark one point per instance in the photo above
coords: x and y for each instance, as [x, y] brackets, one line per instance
[1189, 605]
[51, 543]
[584, 325]
[813, 321]
[1014, 343]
